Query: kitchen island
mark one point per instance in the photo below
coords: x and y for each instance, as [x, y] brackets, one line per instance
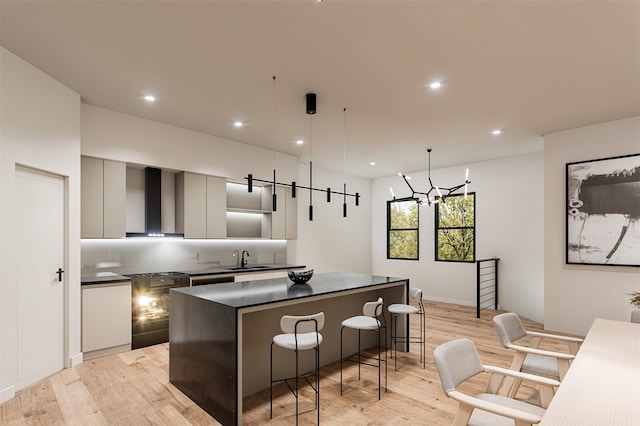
[220, 334]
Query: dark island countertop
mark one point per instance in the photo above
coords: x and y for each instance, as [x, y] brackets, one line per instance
[244, 294]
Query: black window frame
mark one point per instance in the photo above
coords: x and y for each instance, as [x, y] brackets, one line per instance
[437, 228]
[416, 230]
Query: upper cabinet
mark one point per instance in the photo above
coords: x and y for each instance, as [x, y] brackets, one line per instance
[195, 205]
[251, 214]
[103, 198]
[284, 220]
[200, 206]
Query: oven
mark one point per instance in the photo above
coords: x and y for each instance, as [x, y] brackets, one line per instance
[150, 306]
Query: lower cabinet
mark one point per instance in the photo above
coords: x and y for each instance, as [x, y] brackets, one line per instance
[106, 319]
[261, 276]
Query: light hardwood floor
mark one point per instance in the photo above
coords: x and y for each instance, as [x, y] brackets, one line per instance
[133, 388]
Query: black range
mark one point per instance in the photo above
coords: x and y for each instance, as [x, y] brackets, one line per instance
[150, 308]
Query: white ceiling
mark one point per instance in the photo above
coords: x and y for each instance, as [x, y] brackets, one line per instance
[526, 67]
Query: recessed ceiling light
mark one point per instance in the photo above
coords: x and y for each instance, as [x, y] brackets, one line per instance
[372, 163]
[435, 85]
[149, 98]
[299, 142]
[238, 124]
[496, 132]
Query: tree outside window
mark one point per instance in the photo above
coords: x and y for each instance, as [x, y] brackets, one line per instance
[455, 229]
[402, 230]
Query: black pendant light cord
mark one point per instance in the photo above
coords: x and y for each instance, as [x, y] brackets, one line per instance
[310, 110]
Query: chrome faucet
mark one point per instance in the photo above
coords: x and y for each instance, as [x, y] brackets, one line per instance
[243, 261]
[236, 254]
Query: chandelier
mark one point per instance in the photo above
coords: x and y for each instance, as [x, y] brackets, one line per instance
[435, 194]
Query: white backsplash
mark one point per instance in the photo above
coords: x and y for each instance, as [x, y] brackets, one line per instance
[139, 255]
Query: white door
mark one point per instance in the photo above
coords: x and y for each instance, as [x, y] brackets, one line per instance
[40, 225]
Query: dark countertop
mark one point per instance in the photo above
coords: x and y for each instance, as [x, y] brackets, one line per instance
[110, 277]
[233, 269]
[103, 278]
[243, 294]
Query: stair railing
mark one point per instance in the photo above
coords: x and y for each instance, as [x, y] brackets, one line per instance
[486, 284]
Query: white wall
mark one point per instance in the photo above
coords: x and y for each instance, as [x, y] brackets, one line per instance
[331, 242]
[39, 128]
[509, 225]
[575, 295]
[122, 137]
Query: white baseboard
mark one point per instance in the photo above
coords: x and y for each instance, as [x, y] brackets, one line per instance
[107, 351]
[452, 301]
[76, 360]
[7, 393]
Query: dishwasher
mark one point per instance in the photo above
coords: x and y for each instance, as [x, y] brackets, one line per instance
[211, 279]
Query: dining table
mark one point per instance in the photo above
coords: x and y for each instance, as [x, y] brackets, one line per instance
[602, 386]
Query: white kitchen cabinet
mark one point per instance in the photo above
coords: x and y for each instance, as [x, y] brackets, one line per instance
[106, 319]
[285, 219]
[200, 206]
[256, 276]
[216, 207]
[103, 198]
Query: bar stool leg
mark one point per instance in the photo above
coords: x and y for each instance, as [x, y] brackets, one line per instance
[379, 358]
[359, 359]
[341, 330]
[297, 391]
[318, 383]
[271, 382]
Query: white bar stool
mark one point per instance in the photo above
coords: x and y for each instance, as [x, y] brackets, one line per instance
[369, 321]
[300, 333]
[404, 309]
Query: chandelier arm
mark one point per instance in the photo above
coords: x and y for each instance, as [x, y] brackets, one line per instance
[443, 193]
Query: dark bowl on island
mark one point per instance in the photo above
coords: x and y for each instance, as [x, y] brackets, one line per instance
[300, 277]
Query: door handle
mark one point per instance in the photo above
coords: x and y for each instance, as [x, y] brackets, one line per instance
[59, 272]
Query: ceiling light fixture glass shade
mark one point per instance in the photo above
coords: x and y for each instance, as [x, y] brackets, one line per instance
[435, 194]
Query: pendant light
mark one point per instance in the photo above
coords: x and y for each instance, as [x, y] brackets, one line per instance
[344, 162]
[311, 110]
[274, 197]
[310, 100]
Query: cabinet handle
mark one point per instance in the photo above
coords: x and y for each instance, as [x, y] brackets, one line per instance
[59, 272]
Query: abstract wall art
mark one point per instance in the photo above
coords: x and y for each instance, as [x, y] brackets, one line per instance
[603, 211]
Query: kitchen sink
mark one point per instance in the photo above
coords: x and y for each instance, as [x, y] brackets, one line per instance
[248, 268]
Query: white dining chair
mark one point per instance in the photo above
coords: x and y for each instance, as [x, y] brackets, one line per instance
[528, 357]
[458, 360]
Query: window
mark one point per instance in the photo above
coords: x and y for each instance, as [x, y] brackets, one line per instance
[402, 230]
[456, 229]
